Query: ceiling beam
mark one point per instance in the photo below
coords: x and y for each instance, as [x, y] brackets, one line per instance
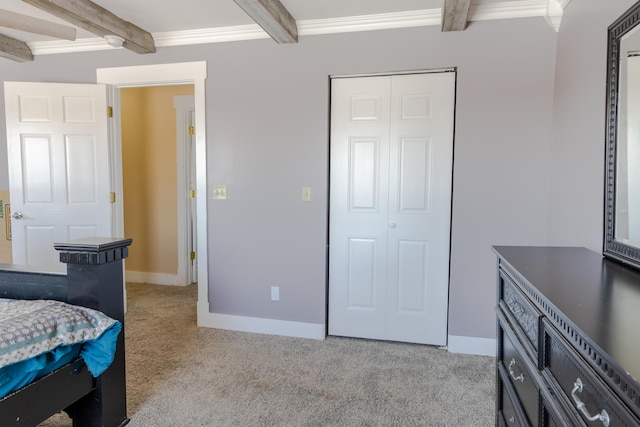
[273, 17]
[14, 49]
[98, 20]
[454, 15]
[27, 23]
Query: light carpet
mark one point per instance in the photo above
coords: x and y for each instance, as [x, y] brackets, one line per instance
[181, 375]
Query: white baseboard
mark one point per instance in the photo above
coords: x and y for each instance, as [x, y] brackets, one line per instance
[259, 325]
[472, 345]
[154, 278]
[456, 344]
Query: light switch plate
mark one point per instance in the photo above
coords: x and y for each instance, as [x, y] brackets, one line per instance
[306, 194]
[220, 192]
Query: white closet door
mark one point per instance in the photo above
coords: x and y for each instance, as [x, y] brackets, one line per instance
[391, 167]
[360, 114]
[421, 156]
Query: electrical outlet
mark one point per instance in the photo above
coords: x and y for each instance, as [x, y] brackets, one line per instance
[275, 293]
[220, 192]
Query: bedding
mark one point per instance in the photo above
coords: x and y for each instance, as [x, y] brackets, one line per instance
[38, 337]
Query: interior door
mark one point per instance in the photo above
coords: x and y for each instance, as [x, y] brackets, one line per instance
[58, 152]
[390, 206]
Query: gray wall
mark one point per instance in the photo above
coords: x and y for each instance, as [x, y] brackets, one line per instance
[267, 136]
[576, 193]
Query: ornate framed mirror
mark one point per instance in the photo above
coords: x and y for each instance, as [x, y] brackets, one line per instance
[622, 155]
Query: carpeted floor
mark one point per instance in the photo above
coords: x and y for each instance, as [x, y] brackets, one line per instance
[182, 375]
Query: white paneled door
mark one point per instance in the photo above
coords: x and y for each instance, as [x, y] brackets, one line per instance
[390, 206]
[58, 153]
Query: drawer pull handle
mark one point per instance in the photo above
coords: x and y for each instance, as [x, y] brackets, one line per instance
[514, 308]
[512, 374]
[602, 416]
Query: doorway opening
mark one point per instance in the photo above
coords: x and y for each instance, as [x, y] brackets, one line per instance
[157, 184]
[190, 73]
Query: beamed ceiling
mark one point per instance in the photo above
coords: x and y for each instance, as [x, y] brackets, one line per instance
[38, 27]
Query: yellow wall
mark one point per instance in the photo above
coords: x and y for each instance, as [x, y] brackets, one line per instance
[149, 176]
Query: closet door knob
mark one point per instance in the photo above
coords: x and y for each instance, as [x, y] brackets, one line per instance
[392, 225]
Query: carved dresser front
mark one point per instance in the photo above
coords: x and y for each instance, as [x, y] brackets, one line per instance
[568, 337]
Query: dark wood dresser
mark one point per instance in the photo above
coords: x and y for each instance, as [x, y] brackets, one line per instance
[568, 339]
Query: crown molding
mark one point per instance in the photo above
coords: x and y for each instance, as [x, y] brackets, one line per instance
[507, 10]
[312, 27]
[210, 35]
[553, 14]
[163, 39]
[63, 46]
[383, 21]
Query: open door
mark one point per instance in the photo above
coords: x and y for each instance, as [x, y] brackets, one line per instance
[59, 179]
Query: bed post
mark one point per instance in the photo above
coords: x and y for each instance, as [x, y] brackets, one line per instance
[95, 277]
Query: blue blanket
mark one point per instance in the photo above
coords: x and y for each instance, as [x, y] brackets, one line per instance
[37, 337]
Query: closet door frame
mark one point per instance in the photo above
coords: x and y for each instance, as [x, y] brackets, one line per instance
[390, 237]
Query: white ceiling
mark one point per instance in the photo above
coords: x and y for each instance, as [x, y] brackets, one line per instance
[167, 18]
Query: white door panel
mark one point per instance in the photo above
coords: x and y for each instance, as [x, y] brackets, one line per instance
[360, 145]
[421, 156]
[34, 251]
[391, 166]
[362, 273]
[58, 155]
[36, 161]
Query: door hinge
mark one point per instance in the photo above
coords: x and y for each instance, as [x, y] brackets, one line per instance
[192, 193]
[110, 111]
[112, 197]
[192, 255]
[192, 130]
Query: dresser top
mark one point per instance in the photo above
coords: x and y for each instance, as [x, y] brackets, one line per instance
[598, 297]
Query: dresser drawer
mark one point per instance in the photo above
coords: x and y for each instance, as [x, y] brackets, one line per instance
[520, 372]
[521, 313]
[570, 377]
[554, 414]
[509, 411]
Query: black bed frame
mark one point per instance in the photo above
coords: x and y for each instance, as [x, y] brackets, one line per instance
[94, 279]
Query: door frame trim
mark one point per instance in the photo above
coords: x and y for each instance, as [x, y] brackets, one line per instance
[184, 106]
[394, 73]
[159, 75]
[445, 70]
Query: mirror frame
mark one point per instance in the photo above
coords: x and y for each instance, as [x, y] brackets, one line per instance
[611, 247]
